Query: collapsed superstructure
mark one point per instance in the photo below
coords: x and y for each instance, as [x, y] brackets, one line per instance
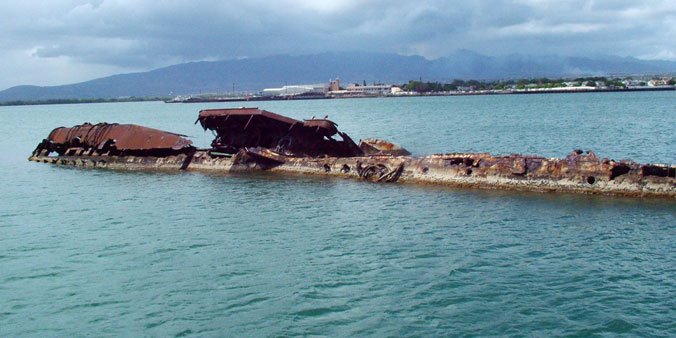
[242, 128]
[255, 139]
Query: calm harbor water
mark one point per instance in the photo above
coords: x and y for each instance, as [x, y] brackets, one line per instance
[108, 253]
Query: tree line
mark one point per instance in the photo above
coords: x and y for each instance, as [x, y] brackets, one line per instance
[457, 84]
[75, 101]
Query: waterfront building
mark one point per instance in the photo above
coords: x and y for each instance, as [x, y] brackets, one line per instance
[369, 90]
[354, 89]
[310, 89]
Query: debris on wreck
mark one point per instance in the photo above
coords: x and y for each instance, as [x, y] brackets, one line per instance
[255, 139]
[252, 127]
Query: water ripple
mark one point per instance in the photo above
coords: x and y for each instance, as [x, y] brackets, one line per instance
[108, 253]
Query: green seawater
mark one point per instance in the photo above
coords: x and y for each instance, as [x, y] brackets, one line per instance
[87, 252]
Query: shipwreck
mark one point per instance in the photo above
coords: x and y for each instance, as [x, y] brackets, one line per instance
[250, 139]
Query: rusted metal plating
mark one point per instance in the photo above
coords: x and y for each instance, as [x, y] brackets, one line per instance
[578, 165]
[241, 128]
[250, 138]
[113, 139]
[374, 146]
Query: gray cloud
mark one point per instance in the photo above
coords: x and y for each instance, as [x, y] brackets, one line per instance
[69, 40]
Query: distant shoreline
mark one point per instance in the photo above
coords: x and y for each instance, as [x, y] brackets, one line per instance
[452, 93]
[564, 91]
[77, 101]
[293, 98]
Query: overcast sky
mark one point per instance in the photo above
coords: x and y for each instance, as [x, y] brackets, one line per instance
[64, 41]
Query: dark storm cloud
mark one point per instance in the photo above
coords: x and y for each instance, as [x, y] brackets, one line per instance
[141, 34]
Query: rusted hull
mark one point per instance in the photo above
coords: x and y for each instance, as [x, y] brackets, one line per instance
[113, 139]
[575, 174]
[249, 139]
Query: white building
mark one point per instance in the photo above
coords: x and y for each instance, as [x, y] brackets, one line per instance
[374, 90]
[633, 83]
[296, 90]
[657, 82]
[368, 90]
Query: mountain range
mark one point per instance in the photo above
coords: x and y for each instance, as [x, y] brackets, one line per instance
[254, 74]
